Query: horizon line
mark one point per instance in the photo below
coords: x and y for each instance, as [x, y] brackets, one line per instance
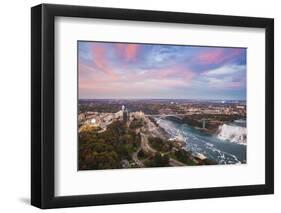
[162, 99]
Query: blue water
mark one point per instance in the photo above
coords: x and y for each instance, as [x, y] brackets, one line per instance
[223, 152]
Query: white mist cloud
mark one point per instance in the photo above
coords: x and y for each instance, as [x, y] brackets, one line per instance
[225, 70]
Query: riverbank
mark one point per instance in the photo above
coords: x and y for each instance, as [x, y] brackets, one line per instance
[175, 147]
[200, 142]
[142, 142]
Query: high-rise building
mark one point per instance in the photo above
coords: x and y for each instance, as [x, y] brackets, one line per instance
[125, 113]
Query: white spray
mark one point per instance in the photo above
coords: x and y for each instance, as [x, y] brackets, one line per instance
[232, 133]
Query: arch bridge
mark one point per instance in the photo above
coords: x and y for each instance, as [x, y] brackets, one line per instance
[180, 117]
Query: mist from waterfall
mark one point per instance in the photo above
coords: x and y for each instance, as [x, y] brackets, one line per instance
[233, 133]
[223, 151]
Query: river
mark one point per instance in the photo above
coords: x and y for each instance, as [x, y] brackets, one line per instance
[223, 150]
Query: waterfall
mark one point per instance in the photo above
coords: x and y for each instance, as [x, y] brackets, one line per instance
[233, 133]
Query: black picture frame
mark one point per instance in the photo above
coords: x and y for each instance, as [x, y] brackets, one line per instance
[43, 102]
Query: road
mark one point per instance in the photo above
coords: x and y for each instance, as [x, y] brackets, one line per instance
[135, 158]
[147, 148]
[174, 162]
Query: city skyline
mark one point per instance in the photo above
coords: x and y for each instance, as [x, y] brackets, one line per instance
[153, 71]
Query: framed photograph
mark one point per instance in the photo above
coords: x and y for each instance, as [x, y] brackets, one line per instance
[139, 106]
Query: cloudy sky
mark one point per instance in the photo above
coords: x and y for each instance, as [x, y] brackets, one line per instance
[122, 70]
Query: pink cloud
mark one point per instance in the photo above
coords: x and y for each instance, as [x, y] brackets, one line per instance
[129, 89]
[128, 51]
[133, 83]
[214, 56]
[218, 55]
[90, 75]
[175, 73]
[98, 79]
[99, 59]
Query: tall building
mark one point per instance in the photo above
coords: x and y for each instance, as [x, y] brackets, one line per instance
[125, 113]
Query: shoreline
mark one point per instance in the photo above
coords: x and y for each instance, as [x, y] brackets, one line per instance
[180, 145]
[228, 144]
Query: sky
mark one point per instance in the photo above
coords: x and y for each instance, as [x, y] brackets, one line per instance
[129, 70]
